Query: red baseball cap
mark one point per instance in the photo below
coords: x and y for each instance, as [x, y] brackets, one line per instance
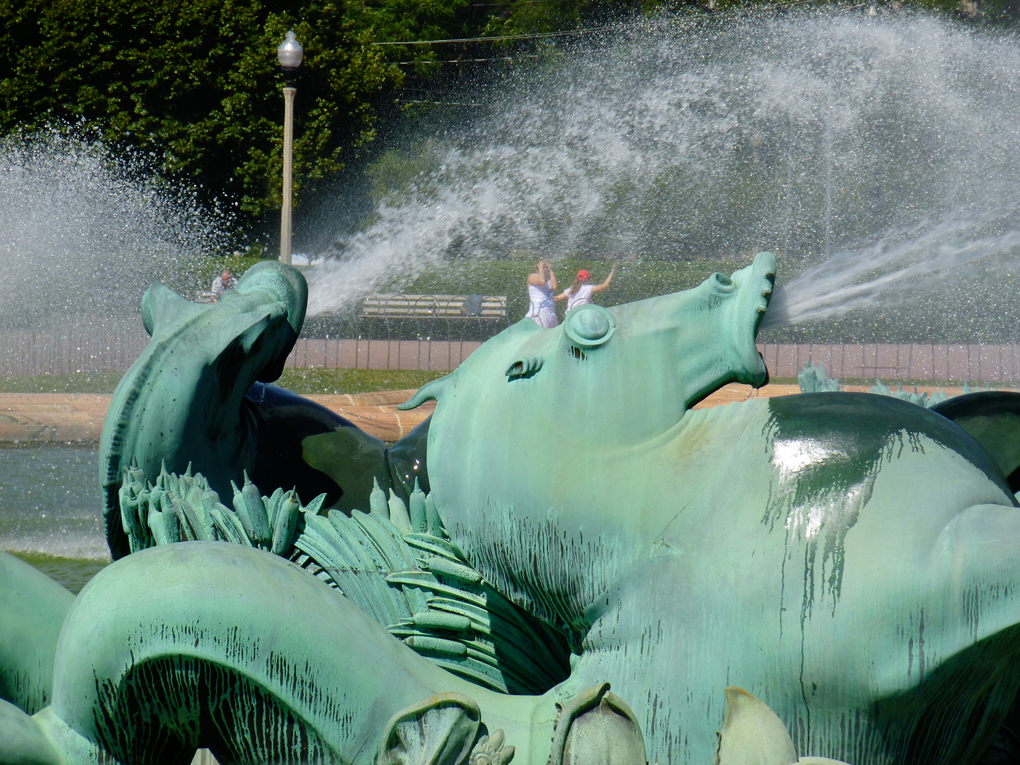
[583, 275]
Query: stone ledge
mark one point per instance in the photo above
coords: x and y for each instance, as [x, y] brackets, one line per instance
[51, 418]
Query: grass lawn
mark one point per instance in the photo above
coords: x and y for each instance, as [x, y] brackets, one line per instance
[311, 381]
[83, 382]
[955, 314]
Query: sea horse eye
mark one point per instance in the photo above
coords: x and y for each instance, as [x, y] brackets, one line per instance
[523, 368]
[589, 325]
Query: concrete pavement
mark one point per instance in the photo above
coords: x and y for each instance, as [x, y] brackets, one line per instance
[34, 418]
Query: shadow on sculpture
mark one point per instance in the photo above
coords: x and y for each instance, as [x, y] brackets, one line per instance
[992, 418]
[591, 563]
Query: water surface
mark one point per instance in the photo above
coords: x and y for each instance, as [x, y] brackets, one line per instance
[51, 511]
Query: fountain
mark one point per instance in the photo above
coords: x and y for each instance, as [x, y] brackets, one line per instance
[639, 545]
[86, 233]
[884, 142]
[84, 236]
[826, 136]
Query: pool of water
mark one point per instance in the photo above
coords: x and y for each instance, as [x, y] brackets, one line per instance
[51, 511]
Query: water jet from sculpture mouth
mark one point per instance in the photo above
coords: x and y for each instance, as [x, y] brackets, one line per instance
[810, 134]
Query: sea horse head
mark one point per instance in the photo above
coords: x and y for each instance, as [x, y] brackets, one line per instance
[181, 402]
[530, 431]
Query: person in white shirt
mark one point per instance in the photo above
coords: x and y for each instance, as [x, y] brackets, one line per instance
[582, 289]
[541, 288]
[222, 283]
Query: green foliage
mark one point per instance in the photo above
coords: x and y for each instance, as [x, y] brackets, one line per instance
[198, 273]
[393, 172]
[196, 85]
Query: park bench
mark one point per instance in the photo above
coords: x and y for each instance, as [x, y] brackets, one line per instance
[478, 307]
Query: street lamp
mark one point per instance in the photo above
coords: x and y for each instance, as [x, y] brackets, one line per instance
[289, 54]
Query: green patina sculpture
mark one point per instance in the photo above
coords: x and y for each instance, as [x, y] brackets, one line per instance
[842, 556]
[992, 418]
[197, 395]
[849, 559]
[136, 681]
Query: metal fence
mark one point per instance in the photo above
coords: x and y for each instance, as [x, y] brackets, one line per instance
[35, 352]
[931, 362]
[327, 342]
[423, 342]
[30, 352]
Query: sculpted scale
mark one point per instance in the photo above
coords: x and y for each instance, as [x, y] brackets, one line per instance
[576, 572]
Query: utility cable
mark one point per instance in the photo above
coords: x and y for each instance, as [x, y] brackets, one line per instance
[502, 38]
[611, 27]
[438, 103]
[425, 62]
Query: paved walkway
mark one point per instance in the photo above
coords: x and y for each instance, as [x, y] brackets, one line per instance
[28, 418]
[78, 417]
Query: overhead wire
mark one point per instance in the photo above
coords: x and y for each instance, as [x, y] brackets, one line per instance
[502, 38]
[567, 33]
[608, 27]
[438, 103]
[478, 60]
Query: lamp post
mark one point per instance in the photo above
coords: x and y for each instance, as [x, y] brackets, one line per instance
[289, 54]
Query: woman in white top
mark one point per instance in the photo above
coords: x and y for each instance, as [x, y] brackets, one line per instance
[541, 288]
[582, 289]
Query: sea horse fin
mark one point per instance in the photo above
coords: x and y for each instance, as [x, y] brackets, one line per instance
[394, 562]
[428, 392]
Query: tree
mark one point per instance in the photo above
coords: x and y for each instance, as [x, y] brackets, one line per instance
[195, 85]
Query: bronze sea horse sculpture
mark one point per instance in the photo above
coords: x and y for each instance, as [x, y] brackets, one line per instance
[198, 396]
[593, 562]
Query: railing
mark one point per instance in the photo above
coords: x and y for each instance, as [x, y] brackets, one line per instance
[986, 364]
[34, 352]
[432, 332]
[367, 353]
[433, 347]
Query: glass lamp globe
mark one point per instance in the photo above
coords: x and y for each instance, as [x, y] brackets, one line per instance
[290, 53]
